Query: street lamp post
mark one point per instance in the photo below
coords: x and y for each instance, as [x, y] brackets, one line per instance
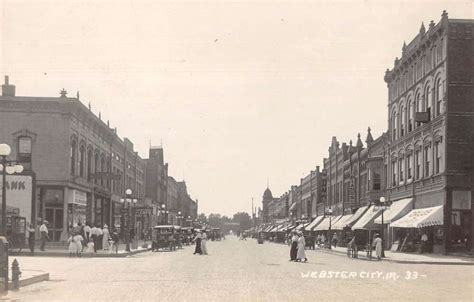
[329, 213]
[383, 206]
[126, 222]
[4, 152]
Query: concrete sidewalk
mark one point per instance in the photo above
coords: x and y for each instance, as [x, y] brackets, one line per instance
[62, 251]
[406, 257]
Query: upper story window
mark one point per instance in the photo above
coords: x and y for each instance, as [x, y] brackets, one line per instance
[73, 156]
[82, 158]
[427, 160]
[402, 120]
[429, 101]
[409, 164]
[439, 96]
[410, 116]
[394, 173]
[419, 105]
[401, 166]
[394, 125]
[438, 156]
[24, 151]
[417, 164]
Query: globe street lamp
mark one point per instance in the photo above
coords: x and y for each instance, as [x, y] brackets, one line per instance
[382, 206]
[328, 212]
[10, 167]
[126, 224]
[179, 217]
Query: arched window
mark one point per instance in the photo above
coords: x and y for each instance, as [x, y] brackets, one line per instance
[410, 115]
[427, 169]
[419, 105]
[394, 125]
[402, 120]
[73, 157]
[428, 101]
[89, 164]
[102, 168]
[439, 96]
[96, 166]
[82, 157]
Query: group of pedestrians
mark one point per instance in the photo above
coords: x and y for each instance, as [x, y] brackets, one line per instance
[201, 243]
[91, 239]
[297, 250]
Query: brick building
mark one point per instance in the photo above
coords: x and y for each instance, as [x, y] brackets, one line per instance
[74, 155]
[430, 151]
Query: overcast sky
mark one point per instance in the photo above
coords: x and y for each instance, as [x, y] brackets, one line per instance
[237, 91]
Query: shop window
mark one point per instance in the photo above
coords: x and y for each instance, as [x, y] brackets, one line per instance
[24, 151]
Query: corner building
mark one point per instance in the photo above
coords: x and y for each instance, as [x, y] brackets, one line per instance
[430, 150]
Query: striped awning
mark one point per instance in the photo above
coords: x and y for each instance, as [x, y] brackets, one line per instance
[366, 222]
[324, 225]
[314, 223]
[341, 223]
[396, 210]
[420, 218]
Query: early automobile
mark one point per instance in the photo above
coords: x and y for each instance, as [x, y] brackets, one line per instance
[164, 237]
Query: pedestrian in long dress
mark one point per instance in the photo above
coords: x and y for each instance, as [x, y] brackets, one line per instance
[198, 239]
[105, 237]
[294, 247]
[72, 246]
[301, 254]
[78, 241]
[204, 243]
[378, 246]
[87, 235]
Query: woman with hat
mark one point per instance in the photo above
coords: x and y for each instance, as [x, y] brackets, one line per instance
[301, 254]
[294, 246]
[105, 237]
[198, 239]
[378, 246]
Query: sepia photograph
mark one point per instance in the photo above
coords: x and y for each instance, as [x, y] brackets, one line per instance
[237, 150]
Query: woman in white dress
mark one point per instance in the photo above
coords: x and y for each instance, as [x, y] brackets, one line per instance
[301, 255]
[105, 237]
[204, 243]
[378, 246]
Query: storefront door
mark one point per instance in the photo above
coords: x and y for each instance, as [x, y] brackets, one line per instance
[55, 218]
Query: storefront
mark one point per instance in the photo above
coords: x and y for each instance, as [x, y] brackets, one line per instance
[421, 230]
[51, 208]
[142, 221]
[77, 204]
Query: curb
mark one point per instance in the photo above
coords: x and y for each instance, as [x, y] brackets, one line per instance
[401, 261]
[31, 280]
[66, 255]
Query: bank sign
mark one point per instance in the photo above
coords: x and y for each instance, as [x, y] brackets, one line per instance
[19, 194]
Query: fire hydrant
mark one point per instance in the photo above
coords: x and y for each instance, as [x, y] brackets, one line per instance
[16, 273]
